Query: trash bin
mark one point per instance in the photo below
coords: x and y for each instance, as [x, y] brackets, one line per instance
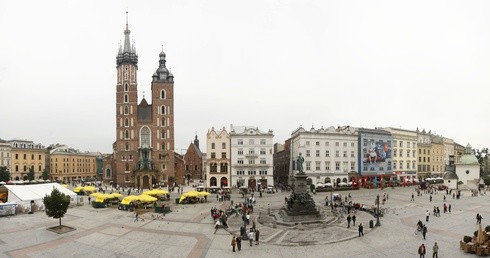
[177, 200]
[371, 224]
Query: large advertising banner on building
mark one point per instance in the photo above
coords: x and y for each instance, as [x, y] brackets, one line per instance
[375, 147]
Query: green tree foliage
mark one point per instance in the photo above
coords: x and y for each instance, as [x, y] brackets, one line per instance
[45, 174]
[30, 174]
[4, 174]
[481, 156]
[486, 180]
[56, 204]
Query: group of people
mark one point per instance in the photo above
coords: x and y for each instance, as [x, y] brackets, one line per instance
[435, 251]
[253, 236]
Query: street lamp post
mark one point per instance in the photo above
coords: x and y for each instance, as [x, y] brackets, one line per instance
[377, 212]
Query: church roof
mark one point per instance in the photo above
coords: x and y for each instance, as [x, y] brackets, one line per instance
[450, 175]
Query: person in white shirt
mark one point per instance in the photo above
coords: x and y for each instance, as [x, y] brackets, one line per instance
[251, 236]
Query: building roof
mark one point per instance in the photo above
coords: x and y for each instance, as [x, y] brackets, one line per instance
[450, 175]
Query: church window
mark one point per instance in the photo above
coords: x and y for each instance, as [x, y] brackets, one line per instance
[127, 146]
[145, 136]
[125, 98]
[126, 87]
[163, 94]
[163, 145]
[126, 110]
[126, 122]
[127, 166]
[163, 110]
[126, 134]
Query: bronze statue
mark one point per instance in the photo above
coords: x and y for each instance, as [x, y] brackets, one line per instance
[299, 163]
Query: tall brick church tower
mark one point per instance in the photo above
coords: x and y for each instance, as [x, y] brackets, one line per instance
[144, 148]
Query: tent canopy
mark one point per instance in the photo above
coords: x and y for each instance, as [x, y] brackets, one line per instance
[36, 192]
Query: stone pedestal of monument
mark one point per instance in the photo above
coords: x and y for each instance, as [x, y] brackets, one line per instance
[300, 205]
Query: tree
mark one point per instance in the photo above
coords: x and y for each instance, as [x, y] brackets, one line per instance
[486, 180]
[56, 204]
[30, 174]
[4, 174]
[481, 156]
[45, 174]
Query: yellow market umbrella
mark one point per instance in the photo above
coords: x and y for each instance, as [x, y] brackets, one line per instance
[129, 199]
[191, 194]
[182, 198]
[77, 189]
[65, 185]
[89, 189]
[96, 195]
[146, 198]
[202, 194]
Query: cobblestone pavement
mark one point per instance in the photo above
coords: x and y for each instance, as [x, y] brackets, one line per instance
[188, 230]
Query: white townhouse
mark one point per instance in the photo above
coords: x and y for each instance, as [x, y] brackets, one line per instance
[217, 165]
[330, 155]
[251, 157]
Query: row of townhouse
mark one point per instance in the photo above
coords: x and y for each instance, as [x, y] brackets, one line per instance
[345, 153]
[60, 162]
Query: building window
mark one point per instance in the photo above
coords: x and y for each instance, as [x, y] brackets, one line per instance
[327, 153]
[163, 110]
[126, 98]
[223, 145]
[408, 153]
[337, 166]
[126, 110]
[345, 154]
[308, 165]
[401, 144]
[352, 165]
[127, 146]
[307, 143]
[240, 151]
[240, 161]
[126, 87]
[317, 165]
[262, 161]
[16, 156]
[317, 153]
[337, 154]
[240, 142]
[126, 134]
[212, 146]
[317, 143]
[251, 151]
[394, 152]
[352, 144]
[307, 153]
[223, 155]
[327, 165]
[262, 141]
[213, 155]
[262, 151]
[126, 122]
[352, 154]
[224, 167]
[145, 137]
[345, 144]
[408, 165]
[337, 144]
[127, 166]
[251, 161]
[163, 94]
[251, 142]
[213, 167]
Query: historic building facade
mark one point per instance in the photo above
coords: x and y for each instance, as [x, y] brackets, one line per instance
[282, 162]
[193, 162]
[5, 155]
[437, 164]
[251, 157]
[26, 155]
[423, 149]
[68, 165]
[468, 169]
[330, 155]
[375, 157]
[404, 152]
[144, 147]
[218, 158]
[448, 150]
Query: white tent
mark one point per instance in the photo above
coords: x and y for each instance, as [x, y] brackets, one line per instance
[24, 194]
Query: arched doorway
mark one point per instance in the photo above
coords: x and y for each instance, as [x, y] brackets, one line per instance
[212, 181]
[146, 182]
[223, 182]
[252, 183]
[327, 180]
[337, 182]
[344, 180]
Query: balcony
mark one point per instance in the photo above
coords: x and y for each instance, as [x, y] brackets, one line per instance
[251, 156]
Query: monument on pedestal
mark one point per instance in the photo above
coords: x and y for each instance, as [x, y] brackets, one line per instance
[300, 206]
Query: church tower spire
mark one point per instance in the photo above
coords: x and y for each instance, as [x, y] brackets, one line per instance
[127, 54]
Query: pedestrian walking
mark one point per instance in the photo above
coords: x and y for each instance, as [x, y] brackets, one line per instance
[424, 231]
[444, 198]
[233, 243]
[449, 208]
[251, 236]
[353, 220]
[477, 217]
[239, 243]
[412, 198]
[257, 234]
[216, 226]
[361, 230]
[422, 251]
[430, 198]
[348, 220]
[136, 216]
[427, 214]
[435, 251]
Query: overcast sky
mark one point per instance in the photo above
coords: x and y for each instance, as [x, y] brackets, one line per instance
[271, 64]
